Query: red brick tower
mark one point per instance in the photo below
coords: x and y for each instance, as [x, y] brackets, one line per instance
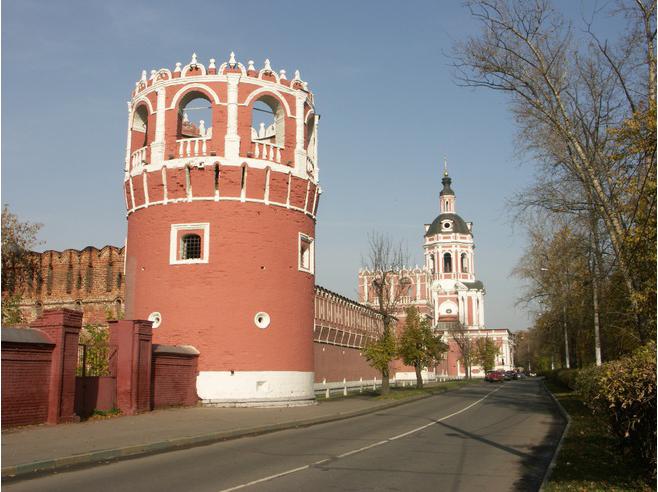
[221, 224]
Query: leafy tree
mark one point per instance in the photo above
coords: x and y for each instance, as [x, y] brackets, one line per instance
[380, 352]
[96, 339]
[384, 261]
[418, 346]
[19, 265]
[486, 351]
[586, 113]
[11, 311]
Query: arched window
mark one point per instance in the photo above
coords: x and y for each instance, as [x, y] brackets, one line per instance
[432, 264]
[140, 128]
[194, 116]
[268, 121]
[447, 263]
[311, 138]
[464, 258]
[118, 308]
[190, 247]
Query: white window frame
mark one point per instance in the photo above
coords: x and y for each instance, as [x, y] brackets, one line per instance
[311, 251]
[174, 243]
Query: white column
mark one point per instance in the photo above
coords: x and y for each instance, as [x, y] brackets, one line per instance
[232, 140]
[481, 297]
[128, 139]
[158, 145]
[300, 153]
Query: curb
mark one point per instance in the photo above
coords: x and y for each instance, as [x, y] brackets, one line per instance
[567, 417]
[26, 470]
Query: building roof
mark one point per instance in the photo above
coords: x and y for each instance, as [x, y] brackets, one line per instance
[458, 225]
[477, 285]
[24, 335]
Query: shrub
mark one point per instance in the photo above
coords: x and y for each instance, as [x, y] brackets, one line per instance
[624, 393]
[563, 377]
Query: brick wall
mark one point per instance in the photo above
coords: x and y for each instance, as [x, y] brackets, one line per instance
[89, 280]
[26, 362]
[173, 374]
[334, 363]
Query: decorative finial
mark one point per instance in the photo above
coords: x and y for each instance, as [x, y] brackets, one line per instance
[185, 117]
[143, 76]
[445, 165]
[297, 76]
[202, 128]
[193, 62]
[251, 65]
[212, 63]
[153, 72]
[267, 67]
[282, 74]
[178, 65]
[231, 60]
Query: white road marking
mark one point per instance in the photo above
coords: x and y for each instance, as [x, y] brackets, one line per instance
[364, 448]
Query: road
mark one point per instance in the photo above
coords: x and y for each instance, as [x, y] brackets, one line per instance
[493, 437]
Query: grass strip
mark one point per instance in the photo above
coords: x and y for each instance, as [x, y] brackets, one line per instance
[590, 459]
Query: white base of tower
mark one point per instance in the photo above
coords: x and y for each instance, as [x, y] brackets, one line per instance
[255, 388]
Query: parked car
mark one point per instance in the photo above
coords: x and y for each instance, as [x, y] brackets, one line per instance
[493, 377]
[509, 375]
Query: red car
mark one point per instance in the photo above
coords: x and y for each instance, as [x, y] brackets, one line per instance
[493, 377]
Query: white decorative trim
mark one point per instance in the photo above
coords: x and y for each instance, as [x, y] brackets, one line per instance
[156, 318]
[186, 88]
[271, 91]
[228, 388]
[262, 320]
[311, 252]
[143, 99]
[174, 246]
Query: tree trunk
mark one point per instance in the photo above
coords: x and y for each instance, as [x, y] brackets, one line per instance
[419, 377]
[386, 386]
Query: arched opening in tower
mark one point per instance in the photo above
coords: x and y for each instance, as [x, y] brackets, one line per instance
[447, 263]
[268, 121]
[194, 116]
[139, 128]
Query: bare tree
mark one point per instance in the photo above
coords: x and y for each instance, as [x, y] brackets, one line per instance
[384, 262]
[568, 102]
[466, 343]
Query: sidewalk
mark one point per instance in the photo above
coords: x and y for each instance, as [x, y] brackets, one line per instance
[47, 448]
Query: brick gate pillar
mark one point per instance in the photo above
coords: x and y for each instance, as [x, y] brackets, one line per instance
[63, 328]
[132, 364]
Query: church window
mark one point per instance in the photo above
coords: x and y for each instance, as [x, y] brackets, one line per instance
[464, 259]
[189, 243]
[306, 253]
[447, 263]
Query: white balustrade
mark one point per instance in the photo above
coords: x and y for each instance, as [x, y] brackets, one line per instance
[266, 151]
[192, 147]
[138, 158]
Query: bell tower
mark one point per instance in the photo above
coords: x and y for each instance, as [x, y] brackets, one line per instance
[450, 260]
[221, 224]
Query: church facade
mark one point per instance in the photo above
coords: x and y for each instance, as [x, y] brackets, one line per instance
[446, 290]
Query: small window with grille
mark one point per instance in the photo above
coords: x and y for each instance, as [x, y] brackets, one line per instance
[190, 247]
[189, 243]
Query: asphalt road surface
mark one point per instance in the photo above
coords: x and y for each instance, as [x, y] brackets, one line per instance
[483, 437]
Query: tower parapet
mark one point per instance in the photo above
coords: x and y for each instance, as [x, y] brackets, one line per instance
[221, 224]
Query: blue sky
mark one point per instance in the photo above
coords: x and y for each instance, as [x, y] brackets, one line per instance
[390, 110]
